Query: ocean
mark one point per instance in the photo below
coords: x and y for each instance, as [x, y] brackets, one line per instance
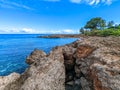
[14, 48]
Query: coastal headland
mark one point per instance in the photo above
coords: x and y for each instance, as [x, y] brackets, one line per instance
[61, 36]
[90, 63]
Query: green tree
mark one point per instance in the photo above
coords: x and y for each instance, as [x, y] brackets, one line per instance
[117, 26]
[95, 23]
[110, 24]
[82, 30]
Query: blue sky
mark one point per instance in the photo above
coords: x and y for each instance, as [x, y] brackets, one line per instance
[54, 16]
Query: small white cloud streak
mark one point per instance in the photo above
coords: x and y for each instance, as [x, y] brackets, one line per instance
[33, 31]
[8, 4]
[97, 1]
[93, 2]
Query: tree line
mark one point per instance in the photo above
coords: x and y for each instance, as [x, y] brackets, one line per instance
[99, 27]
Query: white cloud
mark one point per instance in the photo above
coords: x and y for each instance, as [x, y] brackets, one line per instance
[15, 30]
[69, 31]
[33, 31]
[97, 1]
[63, 31]
[93, 2]
[9, 4]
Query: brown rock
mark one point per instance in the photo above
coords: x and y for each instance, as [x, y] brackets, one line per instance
[48, 74]
[83, 51]
[34, 56]
[6, 80]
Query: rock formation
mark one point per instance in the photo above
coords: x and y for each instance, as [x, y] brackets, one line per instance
[61, 36]
[96, 64]
[92, 63]
[46, 72]
[6, 80]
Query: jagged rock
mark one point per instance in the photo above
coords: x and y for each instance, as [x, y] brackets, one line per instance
[97, 61]
[83, 51]
[34, 56]
[100, 68]
[6, 80]
[48, 74]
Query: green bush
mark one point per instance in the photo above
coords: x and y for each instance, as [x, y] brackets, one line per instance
[105, 32]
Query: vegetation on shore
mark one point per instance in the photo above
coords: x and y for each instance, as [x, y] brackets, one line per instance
[99, 27]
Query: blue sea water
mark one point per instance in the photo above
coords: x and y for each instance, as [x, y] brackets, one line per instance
[14, 48]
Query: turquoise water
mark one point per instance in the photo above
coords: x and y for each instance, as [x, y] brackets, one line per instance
[14, 48]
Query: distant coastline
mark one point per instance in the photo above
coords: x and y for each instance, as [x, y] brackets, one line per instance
[61, 36]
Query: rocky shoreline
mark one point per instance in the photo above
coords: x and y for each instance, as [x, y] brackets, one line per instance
[91, 63]
[61, 36]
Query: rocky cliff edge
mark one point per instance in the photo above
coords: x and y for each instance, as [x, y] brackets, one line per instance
[91, 63]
